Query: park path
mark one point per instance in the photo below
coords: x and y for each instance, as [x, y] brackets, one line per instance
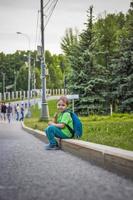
[29, 172]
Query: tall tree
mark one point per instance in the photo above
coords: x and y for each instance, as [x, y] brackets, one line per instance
[70, 39]
[86, 78]
[124, 67]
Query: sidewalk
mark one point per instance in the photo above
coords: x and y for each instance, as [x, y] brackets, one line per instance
[29, 172]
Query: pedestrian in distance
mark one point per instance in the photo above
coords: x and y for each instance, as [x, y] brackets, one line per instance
[22, 112]
[17, 110]
[0, 112]
[9, 112]
[57, 127]
[3, 110]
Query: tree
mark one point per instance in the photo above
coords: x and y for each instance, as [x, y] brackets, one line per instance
[22, 78]
[70, 39]
[55, 77]
[86, 76]
[124, 68]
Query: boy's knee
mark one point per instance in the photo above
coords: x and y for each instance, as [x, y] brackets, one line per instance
[49, 128]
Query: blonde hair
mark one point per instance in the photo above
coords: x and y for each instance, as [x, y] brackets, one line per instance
[64, 99]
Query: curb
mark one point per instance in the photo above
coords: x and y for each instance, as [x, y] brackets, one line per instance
[112, 159]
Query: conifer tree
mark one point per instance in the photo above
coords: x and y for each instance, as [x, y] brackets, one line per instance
[87, 77]
[123, 82]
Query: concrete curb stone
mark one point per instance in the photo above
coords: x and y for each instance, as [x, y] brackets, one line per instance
[113, 159]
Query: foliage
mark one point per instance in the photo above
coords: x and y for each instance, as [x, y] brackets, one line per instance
[102, 63]
[15, 66]
[70, 39]
[123, 69]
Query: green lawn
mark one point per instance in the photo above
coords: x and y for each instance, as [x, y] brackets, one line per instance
[115, 130]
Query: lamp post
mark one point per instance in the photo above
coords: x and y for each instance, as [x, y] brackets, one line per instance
[34, 80]
[29, 71]
[15, 74]
[44, 111]
[3, 84]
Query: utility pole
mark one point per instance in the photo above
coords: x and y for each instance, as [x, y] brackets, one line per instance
[44, 111]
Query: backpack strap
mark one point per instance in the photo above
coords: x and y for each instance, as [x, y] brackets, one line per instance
[69, 128]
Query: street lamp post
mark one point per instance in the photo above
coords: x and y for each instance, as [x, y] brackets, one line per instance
[34, 80]
[15, 80]
[3, 84]
[29, 72]
[44, 111]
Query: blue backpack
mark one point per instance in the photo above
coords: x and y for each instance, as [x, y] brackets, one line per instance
[77, 125]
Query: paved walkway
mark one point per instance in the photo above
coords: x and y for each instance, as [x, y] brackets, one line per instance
[29, 172]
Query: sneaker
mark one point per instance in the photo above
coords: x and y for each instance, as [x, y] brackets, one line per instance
[52, 147]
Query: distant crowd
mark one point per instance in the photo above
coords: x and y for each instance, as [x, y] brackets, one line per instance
[9, 111]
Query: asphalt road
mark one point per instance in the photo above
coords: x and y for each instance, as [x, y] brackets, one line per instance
[29, 172]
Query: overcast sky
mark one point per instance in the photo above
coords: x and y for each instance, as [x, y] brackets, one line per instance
[21, 15]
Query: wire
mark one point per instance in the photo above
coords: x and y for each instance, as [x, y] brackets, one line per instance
[51, 13]
[46, 4]
[49, 7]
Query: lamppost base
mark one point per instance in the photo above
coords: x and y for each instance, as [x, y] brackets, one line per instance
[44, 112]
[28, 114]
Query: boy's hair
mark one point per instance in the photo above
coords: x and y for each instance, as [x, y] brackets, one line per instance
[64, 99]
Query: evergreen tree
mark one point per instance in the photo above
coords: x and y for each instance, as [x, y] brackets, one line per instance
[69, 40]
[87, 77]
[124, 68]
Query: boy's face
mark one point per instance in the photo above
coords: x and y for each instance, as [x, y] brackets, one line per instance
[61, 106]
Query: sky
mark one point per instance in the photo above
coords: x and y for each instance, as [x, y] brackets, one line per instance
[24, 16]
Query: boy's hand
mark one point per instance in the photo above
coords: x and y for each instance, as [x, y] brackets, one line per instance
[51, 123]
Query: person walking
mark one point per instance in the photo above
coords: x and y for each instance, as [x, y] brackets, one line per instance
[17, 110]
[22, 112]
[3, 110]
[0, 112]
[9, 112]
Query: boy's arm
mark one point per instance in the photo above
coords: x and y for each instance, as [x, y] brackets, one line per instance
[55, 118]
[55, 123]
[59, 125]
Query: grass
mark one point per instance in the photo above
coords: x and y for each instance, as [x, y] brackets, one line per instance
[35, 122]
[115, 130]
[112, 133]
